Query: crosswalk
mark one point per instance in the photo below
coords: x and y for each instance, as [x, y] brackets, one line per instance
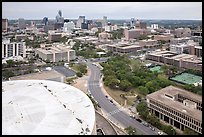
[114, 111]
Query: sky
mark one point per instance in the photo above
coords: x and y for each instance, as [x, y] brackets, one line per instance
[96, 10]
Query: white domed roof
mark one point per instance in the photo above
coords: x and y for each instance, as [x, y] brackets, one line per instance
[41, 107]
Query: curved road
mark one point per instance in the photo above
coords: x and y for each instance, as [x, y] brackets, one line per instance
[114, 113]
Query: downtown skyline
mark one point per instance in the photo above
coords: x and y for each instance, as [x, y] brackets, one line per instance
[96, 10]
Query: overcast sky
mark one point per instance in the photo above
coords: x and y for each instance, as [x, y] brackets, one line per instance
[96, 10]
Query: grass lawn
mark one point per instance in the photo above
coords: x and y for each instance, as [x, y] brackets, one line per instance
[115, 94]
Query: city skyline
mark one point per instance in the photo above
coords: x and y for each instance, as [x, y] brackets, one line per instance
[113, 10]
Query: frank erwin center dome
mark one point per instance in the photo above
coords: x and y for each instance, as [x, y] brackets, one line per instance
[42, 107]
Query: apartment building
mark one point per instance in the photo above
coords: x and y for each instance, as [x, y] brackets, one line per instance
[179, 108]
[56, 53]
[11, 49]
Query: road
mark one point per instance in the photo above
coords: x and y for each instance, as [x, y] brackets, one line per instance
[113, 112]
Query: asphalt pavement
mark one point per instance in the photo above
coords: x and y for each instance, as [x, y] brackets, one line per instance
[113, 112]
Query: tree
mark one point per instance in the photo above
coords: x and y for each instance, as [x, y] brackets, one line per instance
[79, 74]
[111, 81]
[130, 130]
[125, 85]
[143, 90]
[7, 73]
[142, 110]
[10, 63]
[188, 131]
[168, 129]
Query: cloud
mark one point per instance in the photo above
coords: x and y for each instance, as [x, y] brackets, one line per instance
[114, 10]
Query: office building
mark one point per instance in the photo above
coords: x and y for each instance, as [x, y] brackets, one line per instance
[179, 108]
[69, 27]
[54, 36]
[163, 37]
[135, 33]
[124, 48]
[21, 23]
[185, 61]
[11, 49]
[4, 25]
[56, 53]
[132, 23]
[154, 26]
[140, 25]
[104, 21]
[80, 21]
[44, 107]
[182, 32]
[148, 43]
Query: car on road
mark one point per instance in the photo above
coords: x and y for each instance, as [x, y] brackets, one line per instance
[160, 133]
[106, 96]
[139, 120]
[145, 124]
[152, 128]
[111, 101]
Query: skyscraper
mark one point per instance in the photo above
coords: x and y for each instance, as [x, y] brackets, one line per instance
[4, 24]
[21, 23]
[104, 22]
[132, 22]
[80, 21]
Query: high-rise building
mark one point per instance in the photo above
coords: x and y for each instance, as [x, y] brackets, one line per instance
[59, 17]
[140, 25]
[21, 23]
[4, 25]
[104, 21]
[68, 27]
[80, 21]
[11, 49]
[132, 22]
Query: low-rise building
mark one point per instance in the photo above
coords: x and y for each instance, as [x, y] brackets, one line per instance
[163, 37]
[53, 36]
[180, 108]
[20, 36]
[56, 53]
[178, 60]
[135, 33]
[182, 32]
[148, 43]
[124, 48]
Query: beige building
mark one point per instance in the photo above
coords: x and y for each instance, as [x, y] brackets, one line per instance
[179, 108]
[56, 53]
[163, 37]
[178, 60]
[148, 43]
[182, 32]
[135, 33]
[52, 36]
[4, 25]
[124, 48]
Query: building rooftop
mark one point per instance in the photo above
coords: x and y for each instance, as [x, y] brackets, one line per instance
[41, 107]
[159, 96]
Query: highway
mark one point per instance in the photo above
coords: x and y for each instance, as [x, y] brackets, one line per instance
[113, 112]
